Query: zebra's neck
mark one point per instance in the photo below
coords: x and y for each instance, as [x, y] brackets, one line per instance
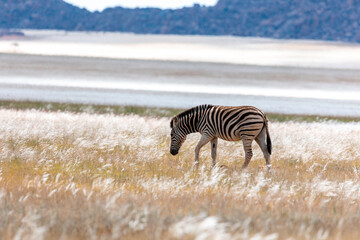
[190, 119]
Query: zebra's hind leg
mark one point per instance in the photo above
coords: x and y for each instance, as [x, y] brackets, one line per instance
[248, 152]
[203, 140]
[261, 140]
[213, 150]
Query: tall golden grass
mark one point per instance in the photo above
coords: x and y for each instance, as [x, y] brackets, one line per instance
[88, 176]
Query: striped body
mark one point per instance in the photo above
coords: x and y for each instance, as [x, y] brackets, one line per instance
[244, 123]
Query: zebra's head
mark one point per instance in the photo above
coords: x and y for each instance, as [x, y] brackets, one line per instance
[178, 136]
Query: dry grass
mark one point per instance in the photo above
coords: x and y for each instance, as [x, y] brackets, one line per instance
[84, 176]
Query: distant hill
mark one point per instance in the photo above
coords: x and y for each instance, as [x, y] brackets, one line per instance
[296, 19]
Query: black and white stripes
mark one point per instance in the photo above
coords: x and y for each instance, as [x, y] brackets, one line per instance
[244, 123]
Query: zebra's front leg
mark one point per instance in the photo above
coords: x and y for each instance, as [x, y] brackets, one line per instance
[248, 152]
[203, 140]
[213, 150]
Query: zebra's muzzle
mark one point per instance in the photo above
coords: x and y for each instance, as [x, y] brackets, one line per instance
[173, 152]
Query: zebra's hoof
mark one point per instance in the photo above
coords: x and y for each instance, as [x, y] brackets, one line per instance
[196, 166]
[268, 168]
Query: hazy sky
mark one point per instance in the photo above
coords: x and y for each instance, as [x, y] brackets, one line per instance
[93, 5]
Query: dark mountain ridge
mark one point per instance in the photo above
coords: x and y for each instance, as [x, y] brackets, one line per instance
[298, 19]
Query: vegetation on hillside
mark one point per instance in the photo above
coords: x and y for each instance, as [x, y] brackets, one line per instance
[306, 19]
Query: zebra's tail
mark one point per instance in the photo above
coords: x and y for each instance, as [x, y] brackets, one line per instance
[268, 139]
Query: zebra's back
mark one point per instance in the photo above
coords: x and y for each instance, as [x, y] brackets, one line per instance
[233, 123]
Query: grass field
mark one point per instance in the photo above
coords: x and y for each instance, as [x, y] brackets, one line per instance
[79, 175]
[146, 111]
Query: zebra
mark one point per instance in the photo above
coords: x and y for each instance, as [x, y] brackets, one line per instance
[244, 123]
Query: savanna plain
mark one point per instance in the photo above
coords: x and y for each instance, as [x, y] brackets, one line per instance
[90, 174]
[77, 171]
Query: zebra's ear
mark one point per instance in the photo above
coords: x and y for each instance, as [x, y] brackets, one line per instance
[173, 122]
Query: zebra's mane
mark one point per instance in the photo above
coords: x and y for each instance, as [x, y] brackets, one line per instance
[190, 111]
